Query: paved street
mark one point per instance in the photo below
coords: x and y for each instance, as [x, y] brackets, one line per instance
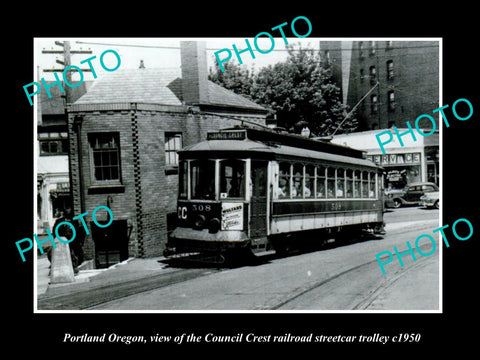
[333, 278]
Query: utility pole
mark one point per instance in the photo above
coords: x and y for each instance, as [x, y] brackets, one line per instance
[66, 62]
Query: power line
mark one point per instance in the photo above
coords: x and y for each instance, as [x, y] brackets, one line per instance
[176, 47]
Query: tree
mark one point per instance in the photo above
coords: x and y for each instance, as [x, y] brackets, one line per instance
[299, 91]
[235, 77]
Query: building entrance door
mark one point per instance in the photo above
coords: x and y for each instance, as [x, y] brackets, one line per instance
[111, 243]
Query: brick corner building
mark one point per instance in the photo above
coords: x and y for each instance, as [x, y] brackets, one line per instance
[124, 134]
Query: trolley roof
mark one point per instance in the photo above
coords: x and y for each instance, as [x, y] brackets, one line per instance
[272, 145]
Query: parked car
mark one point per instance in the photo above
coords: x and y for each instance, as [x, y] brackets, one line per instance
[431, 199]
[409, 195]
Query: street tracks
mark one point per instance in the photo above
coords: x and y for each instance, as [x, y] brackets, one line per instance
[88, 296]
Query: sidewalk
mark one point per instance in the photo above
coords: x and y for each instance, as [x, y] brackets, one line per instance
[130, 269]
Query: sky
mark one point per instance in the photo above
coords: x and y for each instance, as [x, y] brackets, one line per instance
[155, 52]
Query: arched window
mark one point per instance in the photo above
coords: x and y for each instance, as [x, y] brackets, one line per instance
[390, 73]
[373, 75]
[391, 100]
[374, 104]
[373, 48]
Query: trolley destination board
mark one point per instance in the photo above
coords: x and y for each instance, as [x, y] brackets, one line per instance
[230, 135]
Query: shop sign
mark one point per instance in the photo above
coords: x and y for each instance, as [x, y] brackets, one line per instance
[395, 159]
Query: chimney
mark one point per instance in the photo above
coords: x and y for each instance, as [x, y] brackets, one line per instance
[194, 72]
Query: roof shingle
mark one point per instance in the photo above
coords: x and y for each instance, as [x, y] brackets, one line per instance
[156, 86]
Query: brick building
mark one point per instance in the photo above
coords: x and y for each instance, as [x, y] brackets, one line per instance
[403, 77]
[124, 134]
[398, 81]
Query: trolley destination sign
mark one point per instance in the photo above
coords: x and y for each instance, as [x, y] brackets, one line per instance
[231, 135]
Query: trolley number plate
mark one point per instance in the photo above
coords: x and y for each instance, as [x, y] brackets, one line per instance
[182, 210]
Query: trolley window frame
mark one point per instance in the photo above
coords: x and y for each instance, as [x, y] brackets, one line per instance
[361, 179]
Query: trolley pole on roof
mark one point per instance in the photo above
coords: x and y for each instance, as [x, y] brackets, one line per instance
[355, 107]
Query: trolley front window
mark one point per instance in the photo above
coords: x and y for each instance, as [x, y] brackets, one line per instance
[232, 179]
[183, 180]
[202, 175]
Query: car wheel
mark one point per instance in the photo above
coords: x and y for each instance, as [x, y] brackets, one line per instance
[437, 204]
[397, 203]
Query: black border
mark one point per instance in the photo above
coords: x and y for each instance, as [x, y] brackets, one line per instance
[44, 332]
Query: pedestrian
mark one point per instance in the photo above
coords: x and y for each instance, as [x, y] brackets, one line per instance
[76, 246]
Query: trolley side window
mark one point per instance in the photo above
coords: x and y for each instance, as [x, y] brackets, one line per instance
[321, 182]
[232, 179]
[309, 189]
[340, 183]
[364, 183]
[297, 191]
[331, 183]
[356, 183]
[284, 181]
[202, 175]
[349, 183]
[372, 186]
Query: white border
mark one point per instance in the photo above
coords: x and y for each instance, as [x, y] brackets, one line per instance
[274, 312]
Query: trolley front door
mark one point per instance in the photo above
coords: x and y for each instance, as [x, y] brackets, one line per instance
[258, 203]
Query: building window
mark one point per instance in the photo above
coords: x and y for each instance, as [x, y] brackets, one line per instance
[53, 143]
[326, 57]
[374, 104]
[362, 75]
[389, 45]
[391, 100]
[360, 50]
[373, 48]
[373, 75]
[173, 143]
[105, 157]
[390, 73]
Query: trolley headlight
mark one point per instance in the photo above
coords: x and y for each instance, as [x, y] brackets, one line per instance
[199, 222]
[213, 225]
